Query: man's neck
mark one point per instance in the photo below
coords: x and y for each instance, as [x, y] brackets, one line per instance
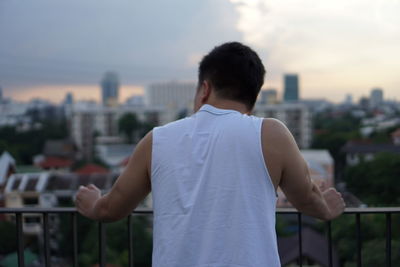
[228, 104]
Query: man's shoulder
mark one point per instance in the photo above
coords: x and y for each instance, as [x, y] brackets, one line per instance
[274, 126]
[276, 135]
[174, 125]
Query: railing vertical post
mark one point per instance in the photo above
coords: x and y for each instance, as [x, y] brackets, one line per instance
[358, 226]
[102, 245]
[130, 242]
[330, 264]
[74, 240]
[46, 239]
[300, 240]
[20, 240]
[388, 239]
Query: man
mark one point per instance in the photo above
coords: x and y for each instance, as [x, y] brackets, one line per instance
[214, 175]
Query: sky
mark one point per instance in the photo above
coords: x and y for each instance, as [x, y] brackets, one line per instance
[50, 47]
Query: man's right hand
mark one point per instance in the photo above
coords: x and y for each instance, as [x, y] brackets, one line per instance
[290, 172]
[334, 202]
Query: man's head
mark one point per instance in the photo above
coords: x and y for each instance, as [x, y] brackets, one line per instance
[234, 71]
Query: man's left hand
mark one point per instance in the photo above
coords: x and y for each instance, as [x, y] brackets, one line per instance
[86, 199]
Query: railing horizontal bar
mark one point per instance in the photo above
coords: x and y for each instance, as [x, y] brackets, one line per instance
[373, 210]
[37, 210]
[150, 211]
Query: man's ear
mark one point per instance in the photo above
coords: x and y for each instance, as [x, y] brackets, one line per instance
[205, 92]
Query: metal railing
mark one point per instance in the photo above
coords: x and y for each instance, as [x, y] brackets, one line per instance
[45, 212]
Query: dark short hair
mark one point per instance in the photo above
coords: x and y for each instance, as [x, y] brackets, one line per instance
[235, 71]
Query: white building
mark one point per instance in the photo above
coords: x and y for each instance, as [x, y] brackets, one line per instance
[376, 98]
[19, 114]
[90, 120]
[113, 153]
[296, 116]
[24, 190]
[7, 167]
[321, 169]
[13, 113]
[51, 189]
[321, 166]
[172, 97]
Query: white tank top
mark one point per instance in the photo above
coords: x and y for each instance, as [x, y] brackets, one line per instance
[213, 199]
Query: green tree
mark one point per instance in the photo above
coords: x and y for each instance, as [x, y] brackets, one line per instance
[128, 124]
[117, 243]
[331, 132]
[21, 144]
[145, 128]
[376, 182]
[373, 242]
[384, 135]
[8, 239]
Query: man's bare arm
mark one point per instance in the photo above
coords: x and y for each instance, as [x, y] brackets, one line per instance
[131, 187]
[289, 171]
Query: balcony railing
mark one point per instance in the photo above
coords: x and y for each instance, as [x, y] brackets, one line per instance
[45, 212]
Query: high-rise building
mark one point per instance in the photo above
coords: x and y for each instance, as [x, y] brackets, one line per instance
[1, 94]
[291, 88]
[69, 99]
[376, 97]
[109, 89]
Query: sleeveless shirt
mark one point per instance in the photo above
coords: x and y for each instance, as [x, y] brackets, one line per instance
[213, 198]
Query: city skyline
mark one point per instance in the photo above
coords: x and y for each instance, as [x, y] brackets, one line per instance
[336, 48]
[94, 93]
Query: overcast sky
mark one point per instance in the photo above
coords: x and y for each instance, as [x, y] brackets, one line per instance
[337, 47]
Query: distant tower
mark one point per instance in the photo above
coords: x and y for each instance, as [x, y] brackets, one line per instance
[68, 103]
[376, 97]
[291, 90]
[69, 99]
[364, 102]
[1, 94]
[109, 89]
[348, 100]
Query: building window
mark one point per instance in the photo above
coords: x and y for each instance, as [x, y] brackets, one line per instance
[29, 201]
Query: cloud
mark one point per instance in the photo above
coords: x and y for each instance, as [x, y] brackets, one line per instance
[337, 45]
[75, 42]
[350, 43]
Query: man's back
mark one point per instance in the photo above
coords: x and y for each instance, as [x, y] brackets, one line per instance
[214, 203]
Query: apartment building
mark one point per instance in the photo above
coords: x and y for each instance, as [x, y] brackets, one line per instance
[296, 116]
